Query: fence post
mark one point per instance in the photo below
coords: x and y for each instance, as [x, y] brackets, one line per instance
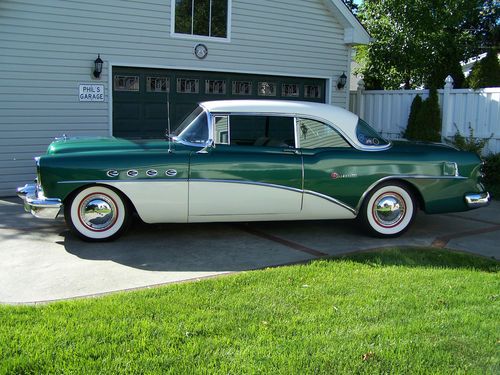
[447, 107]
[360, 99]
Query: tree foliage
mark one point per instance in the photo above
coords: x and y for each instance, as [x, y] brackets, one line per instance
[419, 42]
[486, 72]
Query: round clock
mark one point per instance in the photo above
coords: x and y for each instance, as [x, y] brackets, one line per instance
[201, 51]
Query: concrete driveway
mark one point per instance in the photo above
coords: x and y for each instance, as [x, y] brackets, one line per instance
[41, 261]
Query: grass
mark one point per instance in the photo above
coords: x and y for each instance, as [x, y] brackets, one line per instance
[392, 311]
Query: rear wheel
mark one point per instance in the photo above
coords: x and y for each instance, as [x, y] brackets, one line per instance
[389, 210]
[97, 213]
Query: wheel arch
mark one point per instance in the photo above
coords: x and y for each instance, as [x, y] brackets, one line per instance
[417, 195]
[73, 193]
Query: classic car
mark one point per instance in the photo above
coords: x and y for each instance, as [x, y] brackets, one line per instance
[253, 160]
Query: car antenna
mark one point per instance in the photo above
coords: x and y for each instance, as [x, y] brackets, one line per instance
[169, 134]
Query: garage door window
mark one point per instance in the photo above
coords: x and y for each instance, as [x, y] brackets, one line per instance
[206, 18]
[126, 83]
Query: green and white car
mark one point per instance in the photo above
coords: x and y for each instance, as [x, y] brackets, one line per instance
[253, 160]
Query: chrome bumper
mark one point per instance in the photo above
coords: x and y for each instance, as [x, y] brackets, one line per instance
[36, 203]
[478, 199]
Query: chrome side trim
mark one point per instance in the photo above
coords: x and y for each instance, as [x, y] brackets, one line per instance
[409, 177]
[37, 204]
[477, 200]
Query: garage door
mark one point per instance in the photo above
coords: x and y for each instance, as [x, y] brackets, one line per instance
[140, 95]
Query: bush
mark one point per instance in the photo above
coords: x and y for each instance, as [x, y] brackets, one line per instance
[424, 122]
[486, 72]
[492, 172]
[469, 143]
[411, 128]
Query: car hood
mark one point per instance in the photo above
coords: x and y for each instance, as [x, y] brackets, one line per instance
[97, 144]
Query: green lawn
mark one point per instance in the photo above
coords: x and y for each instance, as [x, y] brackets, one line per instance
[394, 311]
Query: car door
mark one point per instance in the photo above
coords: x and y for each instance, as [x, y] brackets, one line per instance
[253, 170]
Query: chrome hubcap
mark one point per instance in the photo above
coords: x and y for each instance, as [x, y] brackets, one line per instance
[389, 209]
[98, 212]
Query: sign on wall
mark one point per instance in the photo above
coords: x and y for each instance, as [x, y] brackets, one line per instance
[91, 93]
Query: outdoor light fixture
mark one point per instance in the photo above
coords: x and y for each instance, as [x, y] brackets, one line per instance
[98, 66]
[342, 81]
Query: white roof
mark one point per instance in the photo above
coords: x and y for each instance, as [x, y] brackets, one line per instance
[343, 120]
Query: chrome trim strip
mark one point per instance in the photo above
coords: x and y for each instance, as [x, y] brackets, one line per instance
[477, 200]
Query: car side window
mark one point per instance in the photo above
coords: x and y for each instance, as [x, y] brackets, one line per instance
[267, 131]
[316, 134]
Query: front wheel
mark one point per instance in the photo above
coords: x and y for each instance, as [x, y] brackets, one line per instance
[97, 213]
[389, 210]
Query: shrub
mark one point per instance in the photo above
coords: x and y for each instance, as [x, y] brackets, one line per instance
[469, 143]
[424, 124]
[486, 72]
[411, 128]
[492, 170]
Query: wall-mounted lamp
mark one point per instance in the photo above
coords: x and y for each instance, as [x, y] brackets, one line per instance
[342, 81]
[98, 66]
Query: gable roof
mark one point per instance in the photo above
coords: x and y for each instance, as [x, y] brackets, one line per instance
[354, 32]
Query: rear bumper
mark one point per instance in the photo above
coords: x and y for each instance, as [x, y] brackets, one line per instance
[477, 200]
[36, 203]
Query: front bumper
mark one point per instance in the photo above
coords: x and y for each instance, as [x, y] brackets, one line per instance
[36, 203]
[477, 200]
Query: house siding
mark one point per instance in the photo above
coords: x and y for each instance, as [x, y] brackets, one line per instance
[48, 49]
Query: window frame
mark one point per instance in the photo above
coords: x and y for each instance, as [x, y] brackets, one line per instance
[227, 39]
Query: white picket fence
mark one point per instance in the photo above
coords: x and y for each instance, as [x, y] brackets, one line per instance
[461, 109]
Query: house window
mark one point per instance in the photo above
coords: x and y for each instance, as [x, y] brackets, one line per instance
[215, 86]
[188, 86]
[201, 17]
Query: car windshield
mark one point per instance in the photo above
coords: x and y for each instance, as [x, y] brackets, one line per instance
[369, 136]
[194, 128]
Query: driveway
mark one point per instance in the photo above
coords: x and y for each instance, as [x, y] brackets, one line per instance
[41, 261]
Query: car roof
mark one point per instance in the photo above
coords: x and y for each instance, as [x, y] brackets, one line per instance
[344, 120]
[310, 109]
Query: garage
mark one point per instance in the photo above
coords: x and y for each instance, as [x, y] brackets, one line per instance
[140, 95]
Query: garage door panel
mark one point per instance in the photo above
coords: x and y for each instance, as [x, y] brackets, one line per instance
[142, 112]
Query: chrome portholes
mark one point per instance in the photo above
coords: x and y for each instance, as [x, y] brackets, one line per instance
[132, 173]
[97, 212]
[112, 173]
[389, 209]
[171, 172]
[151, 172]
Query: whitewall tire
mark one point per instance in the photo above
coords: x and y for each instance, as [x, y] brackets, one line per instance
[97, 213]
[389, 210]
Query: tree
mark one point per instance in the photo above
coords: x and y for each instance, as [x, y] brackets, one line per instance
[419, 42]
[424, 122]
[485, 72]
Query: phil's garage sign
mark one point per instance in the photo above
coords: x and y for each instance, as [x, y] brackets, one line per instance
[91, 93]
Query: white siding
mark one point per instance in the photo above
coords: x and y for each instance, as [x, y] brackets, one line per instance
[48, 48]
